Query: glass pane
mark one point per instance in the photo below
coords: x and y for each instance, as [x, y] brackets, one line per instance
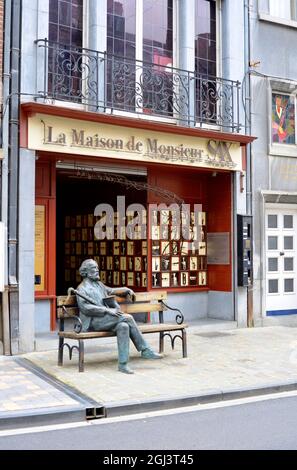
[272, 221]
[273, 286]
[288, 221]
[272, 243]
[288, 243]
[289, 285]
[289, 264]
[283, 119]
[272, 264]
[280, 9]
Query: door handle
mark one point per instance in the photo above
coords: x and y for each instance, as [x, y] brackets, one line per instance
[281, 253]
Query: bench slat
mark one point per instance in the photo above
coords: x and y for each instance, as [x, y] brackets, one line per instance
[142, 307]
[148, 328]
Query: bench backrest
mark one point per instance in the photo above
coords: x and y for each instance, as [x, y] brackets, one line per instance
[145, 302]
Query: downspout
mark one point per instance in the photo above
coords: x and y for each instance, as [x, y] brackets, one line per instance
[4, 189]
[248, 104]
[13, 176]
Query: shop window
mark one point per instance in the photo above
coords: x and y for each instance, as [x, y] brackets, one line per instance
[283, 117]
[285, 9]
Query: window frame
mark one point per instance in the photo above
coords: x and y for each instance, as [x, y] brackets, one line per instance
[281, 88]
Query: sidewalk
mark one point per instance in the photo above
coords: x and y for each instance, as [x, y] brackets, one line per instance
[220, 365]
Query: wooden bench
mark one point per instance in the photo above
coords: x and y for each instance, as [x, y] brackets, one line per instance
[146, 302]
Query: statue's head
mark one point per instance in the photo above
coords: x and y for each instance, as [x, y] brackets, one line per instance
[89, 268]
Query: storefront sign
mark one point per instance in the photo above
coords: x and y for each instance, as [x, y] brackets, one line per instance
[56, 134]
[39, 248]
[218, 248]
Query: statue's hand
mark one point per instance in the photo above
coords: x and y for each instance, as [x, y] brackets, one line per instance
[131, 294]
[116, 312]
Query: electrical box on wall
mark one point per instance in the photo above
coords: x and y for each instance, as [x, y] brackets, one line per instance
[244, 251]
[2, 252]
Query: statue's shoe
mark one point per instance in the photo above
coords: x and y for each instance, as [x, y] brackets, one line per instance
[150, 354]
[125, 369]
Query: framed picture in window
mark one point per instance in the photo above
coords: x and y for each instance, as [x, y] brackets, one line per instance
[130, 248]
[116, 278]
[123, 278]
[73, 235]
[123, 263]
[138, 279]
[184, 248]
[137, 263]
[109, 278]
[156, 260]
[193, 278]
[174, 280]
[156, 280]
[72, 262]
[201, 218]
[183, 263]
[78, 221]
[144, 280]
[123, 248]
[164, 217]
[90, 220]
[155, 231]
[165, 279]
[130, 263]
[78, 248]
[116, 248]
[103, 277]
[102, 248]
[144, 248]
[84, 234]
[202, 249]
[193, 263]
[67, 275]
[202, 278]
[165, 248]
[109, 263]
[155, 248]
[116, 263]
[165, 263]
[174, 248]
[90, 248]
[102, 263]
[130, 279]
[184, 279]
[175, 263]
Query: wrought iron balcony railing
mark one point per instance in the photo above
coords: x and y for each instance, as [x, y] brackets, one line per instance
[107, 83]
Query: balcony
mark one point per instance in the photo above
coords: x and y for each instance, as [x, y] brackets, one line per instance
[105, 83]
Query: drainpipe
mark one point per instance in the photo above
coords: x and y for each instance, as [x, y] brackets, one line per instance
[13, 172]
[4, 188]
[248, 104]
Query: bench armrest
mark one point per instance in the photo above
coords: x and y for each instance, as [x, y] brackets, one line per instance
[179, 318]
[77, 327]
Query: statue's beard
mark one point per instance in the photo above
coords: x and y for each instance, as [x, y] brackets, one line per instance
[95, 277]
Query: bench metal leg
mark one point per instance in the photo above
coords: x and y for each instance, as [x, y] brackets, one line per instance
[184, 340]
[81, 355]
[60, 352]
[161, 343]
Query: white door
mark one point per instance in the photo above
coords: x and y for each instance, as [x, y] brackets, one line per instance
[281, 259]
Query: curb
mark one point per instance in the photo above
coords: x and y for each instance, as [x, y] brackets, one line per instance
[42, 417]
[213, 396]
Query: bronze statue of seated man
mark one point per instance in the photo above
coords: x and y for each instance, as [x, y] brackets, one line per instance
[99, 311]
